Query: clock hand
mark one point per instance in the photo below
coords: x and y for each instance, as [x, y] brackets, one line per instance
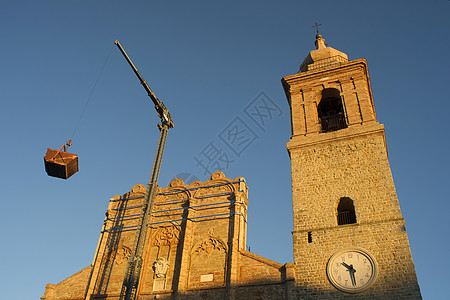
[352, 276]
[352, 271]
[347, 266]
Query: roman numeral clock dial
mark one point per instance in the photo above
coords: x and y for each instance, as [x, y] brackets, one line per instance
[351, 270]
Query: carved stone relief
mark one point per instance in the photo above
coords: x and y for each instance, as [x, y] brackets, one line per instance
[118, 254]
[122, 255]
[160, 266]
[166, 236]
[177, 182]
[209, 245]
[138, 189]
[217, 175]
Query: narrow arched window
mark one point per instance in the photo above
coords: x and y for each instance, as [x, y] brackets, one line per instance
[331, 111]
[346, 211]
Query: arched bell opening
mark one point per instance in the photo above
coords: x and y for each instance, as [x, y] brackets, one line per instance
[331, 111]
[346, 211]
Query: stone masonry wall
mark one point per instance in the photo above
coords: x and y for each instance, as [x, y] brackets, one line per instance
[355, 167]
[352, 165]
[347, 162]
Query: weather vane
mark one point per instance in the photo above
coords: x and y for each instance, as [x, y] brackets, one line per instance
[317, 26]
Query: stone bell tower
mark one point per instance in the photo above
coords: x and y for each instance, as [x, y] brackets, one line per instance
[349, 235]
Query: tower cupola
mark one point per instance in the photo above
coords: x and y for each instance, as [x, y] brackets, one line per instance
[322, 57]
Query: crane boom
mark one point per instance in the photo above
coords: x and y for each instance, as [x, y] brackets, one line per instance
[134, 266]
[163, 112]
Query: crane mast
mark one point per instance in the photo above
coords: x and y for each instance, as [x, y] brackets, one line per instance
[134, 265]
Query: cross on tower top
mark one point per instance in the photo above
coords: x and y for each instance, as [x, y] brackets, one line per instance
[317, 26]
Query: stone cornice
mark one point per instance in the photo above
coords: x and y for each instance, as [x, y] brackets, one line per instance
[301, 141]
[349, 225]
[326, 70]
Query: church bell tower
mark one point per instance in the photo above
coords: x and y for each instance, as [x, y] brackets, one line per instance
[349, 235]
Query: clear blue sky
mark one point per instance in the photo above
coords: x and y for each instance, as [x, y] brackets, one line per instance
[207, 61]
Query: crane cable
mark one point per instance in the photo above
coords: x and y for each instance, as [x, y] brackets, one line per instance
[92, 91]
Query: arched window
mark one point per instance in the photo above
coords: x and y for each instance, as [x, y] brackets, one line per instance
[346, 211]
[331, 111]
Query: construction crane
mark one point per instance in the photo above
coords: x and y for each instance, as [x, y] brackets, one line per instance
[134, 266]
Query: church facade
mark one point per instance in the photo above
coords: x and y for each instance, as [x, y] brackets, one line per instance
[349, 237]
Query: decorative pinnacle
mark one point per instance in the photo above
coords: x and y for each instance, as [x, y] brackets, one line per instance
[320, 42]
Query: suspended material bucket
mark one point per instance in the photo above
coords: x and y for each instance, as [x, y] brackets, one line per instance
[60, 164]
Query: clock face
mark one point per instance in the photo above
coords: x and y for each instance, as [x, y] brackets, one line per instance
[351, 270]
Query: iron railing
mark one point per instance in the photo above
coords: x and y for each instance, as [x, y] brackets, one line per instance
[333, 123]
[346, 217]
